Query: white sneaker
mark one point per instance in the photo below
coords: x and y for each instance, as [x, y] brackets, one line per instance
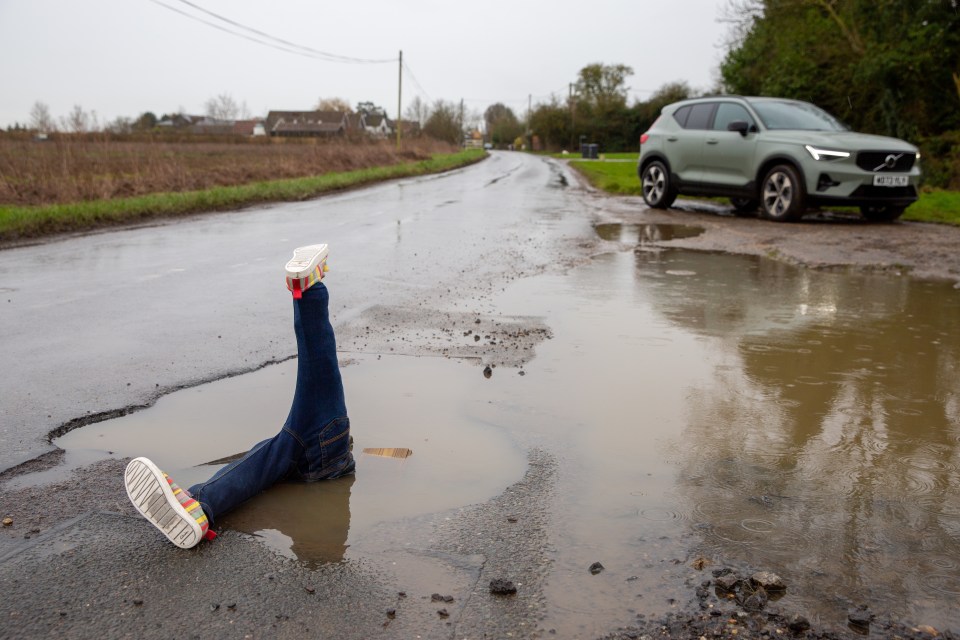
[306, 268]
[168, 507]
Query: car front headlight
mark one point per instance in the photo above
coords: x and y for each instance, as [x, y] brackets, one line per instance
[826, 154]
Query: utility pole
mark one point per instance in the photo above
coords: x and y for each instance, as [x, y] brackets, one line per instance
[399, 99]
[462, 128]
[529, 131]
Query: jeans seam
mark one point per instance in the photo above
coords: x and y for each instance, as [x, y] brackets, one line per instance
[295, 436]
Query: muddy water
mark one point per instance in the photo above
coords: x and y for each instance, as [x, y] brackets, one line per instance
[751, 414]
[421, 404]
[701, 406]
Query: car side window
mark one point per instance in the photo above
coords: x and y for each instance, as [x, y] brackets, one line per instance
[700, 115]
[728, 112]
[681, 115]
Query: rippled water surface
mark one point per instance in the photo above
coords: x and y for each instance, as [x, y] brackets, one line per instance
[729, 409]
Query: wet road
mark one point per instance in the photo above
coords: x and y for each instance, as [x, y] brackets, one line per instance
[99, 323]
[660, 411]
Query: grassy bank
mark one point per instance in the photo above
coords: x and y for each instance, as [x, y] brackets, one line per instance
[620, 178]
[613, 177]
[25, 222]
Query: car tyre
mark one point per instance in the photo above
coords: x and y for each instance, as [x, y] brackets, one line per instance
[658, 190]
[881, 213]
[744, 206]
[782, 196]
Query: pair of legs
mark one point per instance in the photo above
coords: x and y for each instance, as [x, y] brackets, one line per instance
[314, 443]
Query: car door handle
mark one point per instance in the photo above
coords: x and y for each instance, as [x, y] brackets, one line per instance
[712, 141]
[672, 139]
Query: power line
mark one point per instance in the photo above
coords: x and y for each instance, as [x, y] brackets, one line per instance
[416, 82]
[271, 41]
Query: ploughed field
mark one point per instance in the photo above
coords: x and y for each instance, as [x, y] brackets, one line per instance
[65, 168]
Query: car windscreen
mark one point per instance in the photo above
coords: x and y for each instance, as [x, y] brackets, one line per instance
[780, 114]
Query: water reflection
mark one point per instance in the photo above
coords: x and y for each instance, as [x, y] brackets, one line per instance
[826, 447]
[309, 522]
[643, 234]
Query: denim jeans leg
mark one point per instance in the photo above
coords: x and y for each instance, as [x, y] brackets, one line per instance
[314, 441]
[265, 464]
[318, 415]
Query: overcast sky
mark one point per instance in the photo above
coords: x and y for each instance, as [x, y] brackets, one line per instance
[124, 57]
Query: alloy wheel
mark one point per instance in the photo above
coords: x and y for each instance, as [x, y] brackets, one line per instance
[777, 194]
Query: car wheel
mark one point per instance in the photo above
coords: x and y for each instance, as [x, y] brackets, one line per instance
[782, 194]
[744, 206]
[881, 213]
[658, 192]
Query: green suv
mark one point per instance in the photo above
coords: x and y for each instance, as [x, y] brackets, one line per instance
[779, 155]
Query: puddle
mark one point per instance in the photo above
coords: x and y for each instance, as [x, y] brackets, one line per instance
[420, 404]
[748, 412]
[699, 405]
[643, 234]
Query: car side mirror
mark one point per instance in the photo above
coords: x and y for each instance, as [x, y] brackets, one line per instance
[740, 126]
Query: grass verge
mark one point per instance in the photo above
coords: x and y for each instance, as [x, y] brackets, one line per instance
[22, 223]
[613, 177]
[620, 178]
[935, 205]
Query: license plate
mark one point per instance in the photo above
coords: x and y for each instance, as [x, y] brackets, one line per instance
[891, 181]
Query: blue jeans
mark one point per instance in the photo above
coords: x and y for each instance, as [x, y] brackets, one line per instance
[314, 441]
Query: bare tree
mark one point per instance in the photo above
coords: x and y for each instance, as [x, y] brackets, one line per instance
[120, 124]
[739, 14]
[222, 107]
[40, 118]
[417, 111]
[80, 121]
[334, 104]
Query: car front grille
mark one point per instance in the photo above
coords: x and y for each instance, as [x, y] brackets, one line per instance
[877, 160]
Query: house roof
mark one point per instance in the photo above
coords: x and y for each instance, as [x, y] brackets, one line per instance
[332, 116]
[245, 127]
[356, 121]
[338, 118]
[308, 127]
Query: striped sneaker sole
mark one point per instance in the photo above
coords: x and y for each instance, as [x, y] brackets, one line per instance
[305, 268]
[150, 493]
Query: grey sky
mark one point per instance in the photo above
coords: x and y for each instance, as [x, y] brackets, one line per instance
[124, 57]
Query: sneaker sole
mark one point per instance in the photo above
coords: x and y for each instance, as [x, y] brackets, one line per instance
[305, 260]
[151, 495]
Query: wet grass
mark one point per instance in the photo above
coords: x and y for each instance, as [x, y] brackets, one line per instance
[935, 205]
[620, 178]
[613, 177]
[28, 222]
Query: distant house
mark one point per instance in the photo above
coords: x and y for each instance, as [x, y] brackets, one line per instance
[177, 121]
[356, 123]
[248, 128]
[376, 125]
[306, 123]
[205, 125]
